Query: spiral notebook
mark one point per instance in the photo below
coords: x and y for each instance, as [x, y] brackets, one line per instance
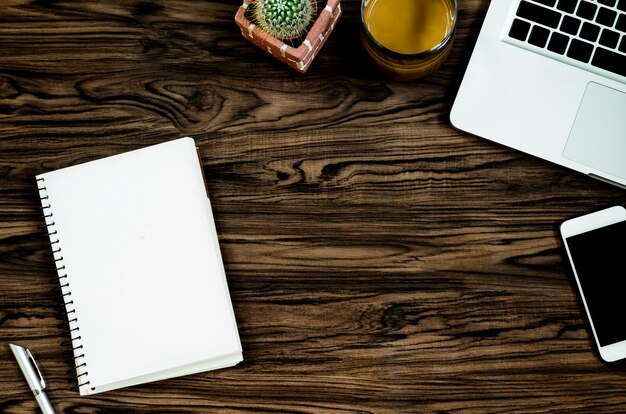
[140, 269]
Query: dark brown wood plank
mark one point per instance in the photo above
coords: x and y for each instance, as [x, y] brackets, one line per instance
[378, 260]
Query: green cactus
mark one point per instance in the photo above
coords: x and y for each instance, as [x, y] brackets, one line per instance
[283, 19]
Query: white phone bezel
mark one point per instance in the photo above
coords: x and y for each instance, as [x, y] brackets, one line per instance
[584, 224]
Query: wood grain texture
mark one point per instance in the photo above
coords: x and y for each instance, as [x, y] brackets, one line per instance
[379, 261]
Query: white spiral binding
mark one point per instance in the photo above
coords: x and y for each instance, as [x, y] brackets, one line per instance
[66, 293]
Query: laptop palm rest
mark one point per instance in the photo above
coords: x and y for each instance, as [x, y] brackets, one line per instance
[598, 136]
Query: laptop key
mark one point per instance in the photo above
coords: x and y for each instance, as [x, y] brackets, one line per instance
[609, 38]
[580, 50]
[610, 3]
[590, 31]
[538, 14]
[538, 36]
[586, 10]
[567, 6]
[519, 30]
[621, 23]
[606, 17]
[609, 60]
[570, 25]
[622, 46]
[558, 43]
[622, 5]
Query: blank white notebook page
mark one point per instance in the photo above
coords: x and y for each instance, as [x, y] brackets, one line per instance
[140, 250]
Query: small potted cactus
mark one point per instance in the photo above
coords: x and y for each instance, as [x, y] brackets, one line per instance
[284, 19]
[278, 27]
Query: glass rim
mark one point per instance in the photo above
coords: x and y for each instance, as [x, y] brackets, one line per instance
[401, 56]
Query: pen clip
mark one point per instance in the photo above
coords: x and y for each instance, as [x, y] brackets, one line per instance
[36, 368]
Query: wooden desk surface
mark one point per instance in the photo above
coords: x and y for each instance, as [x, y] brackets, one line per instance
[379, 261]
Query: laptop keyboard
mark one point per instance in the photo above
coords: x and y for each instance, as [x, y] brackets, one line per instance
[588, 34]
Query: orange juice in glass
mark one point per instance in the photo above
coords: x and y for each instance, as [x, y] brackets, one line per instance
[408, 39]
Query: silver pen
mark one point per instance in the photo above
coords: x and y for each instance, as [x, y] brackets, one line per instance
[33, 377]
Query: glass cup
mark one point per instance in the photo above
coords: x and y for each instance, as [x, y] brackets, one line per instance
[408, 39]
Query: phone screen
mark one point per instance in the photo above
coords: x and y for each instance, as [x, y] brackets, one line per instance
[599, 258]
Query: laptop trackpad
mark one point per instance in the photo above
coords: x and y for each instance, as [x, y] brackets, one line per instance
[598, 136]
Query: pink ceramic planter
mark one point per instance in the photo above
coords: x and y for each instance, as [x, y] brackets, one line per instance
[299, 58]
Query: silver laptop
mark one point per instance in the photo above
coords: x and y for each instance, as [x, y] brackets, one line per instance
[548, 77]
